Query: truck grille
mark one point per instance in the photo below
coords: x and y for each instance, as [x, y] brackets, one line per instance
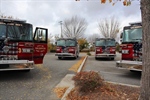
[9, 51]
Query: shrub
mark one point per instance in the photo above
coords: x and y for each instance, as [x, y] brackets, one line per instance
[85, 50]
[87, 81]
[88, 53]
[53, 51]
[118, 48]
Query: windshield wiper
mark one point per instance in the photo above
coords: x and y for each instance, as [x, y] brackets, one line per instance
[136, 39]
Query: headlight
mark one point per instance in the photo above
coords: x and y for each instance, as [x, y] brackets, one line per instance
[112, 49]
[57, 49]
[71, 50]
[125, 51]
[97, 49]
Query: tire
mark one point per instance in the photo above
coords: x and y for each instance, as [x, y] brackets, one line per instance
[112, 58]
[96, 58]
[59, 57]
[27, 70]
[76, 57]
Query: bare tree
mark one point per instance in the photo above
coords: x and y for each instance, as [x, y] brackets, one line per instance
[109, 27]
[56, 36]
[74, 27]
[50, 37]
[92, 37]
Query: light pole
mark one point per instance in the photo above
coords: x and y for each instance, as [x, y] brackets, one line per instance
[0, 7]
[60, 22]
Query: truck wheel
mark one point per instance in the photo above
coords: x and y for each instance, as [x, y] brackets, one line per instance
[75, 57]
[96, 58]
[112, 58]
[59, 57]
[27, 70]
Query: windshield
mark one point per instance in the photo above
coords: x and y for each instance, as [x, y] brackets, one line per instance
[61, 43]
[110, 42]
[132, 35]
[100, 43]
[70, 43]
[105, 42]
[16, 31]
[66, 43]
[2, 31]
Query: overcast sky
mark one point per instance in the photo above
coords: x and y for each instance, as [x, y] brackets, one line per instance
[47, 13]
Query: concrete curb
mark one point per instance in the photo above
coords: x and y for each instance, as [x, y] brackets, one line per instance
[81, 66]
[123, 84]
[66, 93]
[71, 87]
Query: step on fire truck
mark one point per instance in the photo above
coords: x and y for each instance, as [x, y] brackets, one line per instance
[67, 47]
[20, 49]
[131, 56]
[105, 48]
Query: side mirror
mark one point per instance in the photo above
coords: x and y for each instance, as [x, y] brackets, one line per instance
[93, 43]
[120, 40]
[55, 43]
[121, 35]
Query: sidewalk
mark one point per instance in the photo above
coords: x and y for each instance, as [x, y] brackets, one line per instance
[67, 81]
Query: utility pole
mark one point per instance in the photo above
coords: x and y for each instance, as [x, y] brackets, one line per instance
[60, 22]
[0, 7]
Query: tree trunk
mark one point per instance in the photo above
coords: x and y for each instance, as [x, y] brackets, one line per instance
[145, 80]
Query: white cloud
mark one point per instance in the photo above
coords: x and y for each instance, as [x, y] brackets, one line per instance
[47, 13]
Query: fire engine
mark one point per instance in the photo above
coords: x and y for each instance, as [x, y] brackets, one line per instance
[20, 49]
[67, 47]
[131, 56]
[105, 48]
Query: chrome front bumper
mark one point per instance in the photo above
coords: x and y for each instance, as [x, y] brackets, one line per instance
[6, 65]
[105, 55]
[130, 65]
[65, 55]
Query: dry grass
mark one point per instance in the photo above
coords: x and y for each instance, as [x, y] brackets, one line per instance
[60, 91]
[107, 92]
[76, 66]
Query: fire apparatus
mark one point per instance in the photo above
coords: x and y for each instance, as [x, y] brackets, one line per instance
[131, 56]
[105, 48]
[67, 47]
[20, 49]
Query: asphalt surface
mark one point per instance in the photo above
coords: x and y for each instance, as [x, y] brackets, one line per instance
[108, 70]
[38, 84]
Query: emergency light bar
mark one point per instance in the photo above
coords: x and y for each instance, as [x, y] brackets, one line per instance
[12, 20]
[136, 24]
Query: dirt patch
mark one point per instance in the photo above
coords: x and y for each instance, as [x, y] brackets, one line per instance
[108, 91]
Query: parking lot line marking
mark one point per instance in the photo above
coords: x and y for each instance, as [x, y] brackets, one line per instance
[76, 66]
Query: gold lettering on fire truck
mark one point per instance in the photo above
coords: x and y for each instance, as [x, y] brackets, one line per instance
[19, 50]
[40, 48]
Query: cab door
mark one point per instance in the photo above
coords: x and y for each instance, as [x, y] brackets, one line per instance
[40, 44]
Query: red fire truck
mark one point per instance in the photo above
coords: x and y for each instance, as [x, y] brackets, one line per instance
[20, 49]
[105, 48]
[131, 56]
[67, 47]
